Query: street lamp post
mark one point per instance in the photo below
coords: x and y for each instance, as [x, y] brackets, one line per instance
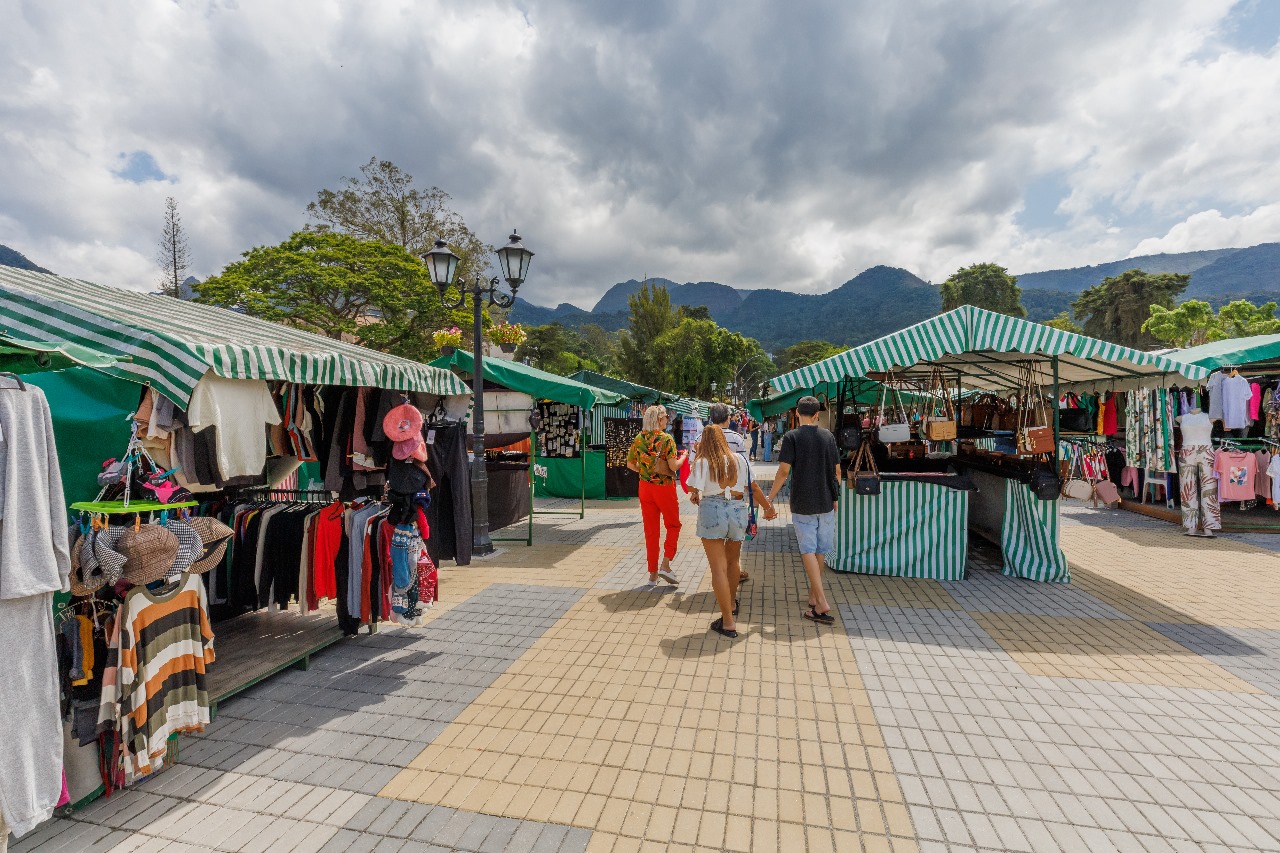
[443, 264]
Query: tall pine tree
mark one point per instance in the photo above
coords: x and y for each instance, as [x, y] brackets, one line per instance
[173, 256]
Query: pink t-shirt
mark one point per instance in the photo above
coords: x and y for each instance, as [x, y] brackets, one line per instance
[1236, 473]
[1255, 400]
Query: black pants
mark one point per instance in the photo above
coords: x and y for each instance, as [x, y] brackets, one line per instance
[450, 512]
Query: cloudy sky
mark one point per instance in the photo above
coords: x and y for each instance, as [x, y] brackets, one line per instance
[758, 143]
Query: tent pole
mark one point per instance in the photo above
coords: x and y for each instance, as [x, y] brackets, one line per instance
[1055, 414]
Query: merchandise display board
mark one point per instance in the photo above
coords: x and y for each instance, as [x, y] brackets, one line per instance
[619, 480]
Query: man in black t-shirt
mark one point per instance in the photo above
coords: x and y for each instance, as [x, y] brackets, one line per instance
[809, 454]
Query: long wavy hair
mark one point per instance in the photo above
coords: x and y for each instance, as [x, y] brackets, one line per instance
[722, 462]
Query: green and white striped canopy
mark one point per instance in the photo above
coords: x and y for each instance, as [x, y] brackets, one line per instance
[689, 406]
[171, 343]
[985, 348]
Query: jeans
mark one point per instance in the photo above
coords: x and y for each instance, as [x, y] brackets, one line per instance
[722, 518]
[816, 534]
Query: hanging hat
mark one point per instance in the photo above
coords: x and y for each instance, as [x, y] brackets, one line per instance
[402, 423]
[151, 550]
[414, 447]
[84, 583]
[190, 547]
[214, 536]
[106, 552]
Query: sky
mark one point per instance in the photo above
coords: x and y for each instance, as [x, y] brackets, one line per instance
[758, 143]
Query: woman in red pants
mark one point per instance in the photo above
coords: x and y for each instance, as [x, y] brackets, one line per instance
[653, 456]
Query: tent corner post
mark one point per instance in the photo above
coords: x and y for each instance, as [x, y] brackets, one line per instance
[1056, 412]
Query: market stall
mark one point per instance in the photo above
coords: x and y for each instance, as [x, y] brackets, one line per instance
[205, 411]
[918, 525]
[563, 464]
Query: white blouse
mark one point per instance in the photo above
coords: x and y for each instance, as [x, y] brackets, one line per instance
[700, 478]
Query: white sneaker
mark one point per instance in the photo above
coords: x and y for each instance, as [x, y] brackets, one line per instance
[669, 576]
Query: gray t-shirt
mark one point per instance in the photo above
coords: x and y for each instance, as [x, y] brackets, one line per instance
[812, 454]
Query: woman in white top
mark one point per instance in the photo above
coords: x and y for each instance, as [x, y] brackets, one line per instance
[718, 484]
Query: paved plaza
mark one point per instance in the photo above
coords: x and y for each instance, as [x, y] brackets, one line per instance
[555, 702]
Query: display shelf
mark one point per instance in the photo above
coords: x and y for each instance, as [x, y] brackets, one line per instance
[119, 508]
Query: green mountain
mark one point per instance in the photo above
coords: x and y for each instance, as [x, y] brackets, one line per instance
[1076, 279]
[14, 258]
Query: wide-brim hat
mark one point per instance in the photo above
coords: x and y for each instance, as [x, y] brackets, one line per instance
[190, 547]
[151, 550]
[402, 423]
[214, 536]
[414, 448]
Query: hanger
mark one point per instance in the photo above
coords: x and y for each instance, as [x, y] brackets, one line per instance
[22, 386]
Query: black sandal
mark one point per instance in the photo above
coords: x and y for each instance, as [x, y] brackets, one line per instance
[718, 627]
[821, 618]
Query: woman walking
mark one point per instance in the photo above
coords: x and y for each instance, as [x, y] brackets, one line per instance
[654, 457]
[718, 485]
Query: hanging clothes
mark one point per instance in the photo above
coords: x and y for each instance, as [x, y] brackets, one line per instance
[450, 512]
[1199, 489]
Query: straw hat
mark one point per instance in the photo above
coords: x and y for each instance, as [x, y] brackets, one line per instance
[151, 550]
[214, 536]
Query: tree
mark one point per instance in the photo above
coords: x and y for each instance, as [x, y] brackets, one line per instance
[805, 353]
[694, 312]
[600, 346]
[985, 285]
[556, 349]
[385, 206]
[173, 256]
[651, 317]
[696, 353]
[1062, 322]
[339, 286]
[1117, 308]
[1193, 322]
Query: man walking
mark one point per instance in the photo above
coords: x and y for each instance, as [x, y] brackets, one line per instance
[809, 454]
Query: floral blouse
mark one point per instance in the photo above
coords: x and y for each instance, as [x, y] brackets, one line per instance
[646, 450]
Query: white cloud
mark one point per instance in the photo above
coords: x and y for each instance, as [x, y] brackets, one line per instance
[758, 144]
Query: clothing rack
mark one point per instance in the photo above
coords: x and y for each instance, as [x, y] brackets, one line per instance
[320, 496]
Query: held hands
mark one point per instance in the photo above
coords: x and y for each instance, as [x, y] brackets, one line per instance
[770, 513]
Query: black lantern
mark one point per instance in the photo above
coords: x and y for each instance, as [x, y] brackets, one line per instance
[442, 263]
[514, 258]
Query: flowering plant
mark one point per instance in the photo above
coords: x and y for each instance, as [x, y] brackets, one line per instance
[451, 337]
[508, 333]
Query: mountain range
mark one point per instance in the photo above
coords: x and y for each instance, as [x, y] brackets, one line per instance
[884, 299]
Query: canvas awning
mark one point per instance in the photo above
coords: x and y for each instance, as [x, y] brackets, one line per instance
[630, 390]
[171, 343]
[20, 355]
[538, 384]
[986, 347]
[1258, 349]
[689, 406]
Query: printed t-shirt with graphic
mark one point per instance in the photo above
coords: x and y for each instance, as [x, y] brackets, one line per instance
[645, 452]
[241, 409]
[1236, 472]
[692, 427]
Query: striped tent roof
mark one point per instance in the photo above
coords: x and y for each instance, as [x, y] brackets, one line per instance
[689, 406]
[171, 343]
[986, 348]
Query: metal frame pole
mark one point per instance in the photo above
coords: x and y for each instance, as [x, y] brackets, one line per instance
[481, 544]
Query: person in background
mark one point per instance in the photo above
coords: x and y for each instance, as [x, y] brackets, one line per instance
[654, 457]
[809, 454]
[754, 428]
[718, 486]
[766, 439]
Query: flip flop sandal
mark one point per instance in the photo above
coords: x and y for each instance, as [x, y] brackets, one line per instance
[718, 627]
[820, 618]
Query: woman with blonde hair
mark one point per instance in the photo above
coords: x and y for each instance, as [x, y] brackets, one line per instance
[654, 457]
[718, 485]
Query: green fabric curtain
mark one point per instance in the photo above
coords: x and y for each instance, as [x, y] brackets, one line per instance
[1029, 537]
[909, 530]
[564, 477]
[90, 423]
[538, 384]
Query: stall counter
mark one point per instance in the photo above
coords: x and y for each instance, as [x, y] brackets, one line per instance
[912, 529]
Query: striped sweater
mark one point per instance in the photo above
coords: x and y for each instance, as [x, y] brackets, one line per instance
[154, 683]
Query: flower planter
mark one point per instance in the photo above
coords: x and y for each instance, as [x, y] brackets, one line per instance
[507, 347]
[447, 350]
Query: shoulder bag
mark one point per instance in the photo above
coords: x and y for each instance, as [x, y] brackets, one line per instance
[864, 482]
[1033, 439]
[895, 432]
[940, 424]
[1077, 486]
[1045, 483]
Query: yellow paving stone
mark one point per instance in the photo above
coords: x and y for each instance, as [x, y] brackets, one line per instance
[1106, 650]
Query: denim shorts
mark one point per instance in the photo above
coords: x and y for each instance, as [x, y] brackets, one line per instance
[721, 518]
[816, 534]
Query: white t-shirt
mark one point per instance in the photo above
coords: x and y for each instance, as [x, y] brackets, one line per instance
[1196, 429]
[241, 409]
[1236, 394]
[1273, 471]
[700, 478]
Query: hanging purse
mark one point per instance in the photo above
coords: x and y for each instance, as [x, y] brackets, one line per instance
[1074, 417]
[1045, 483]
[865, 482]
[1104, 490]
[895, 432]
[848, 436]
[1076, 486]
[1033, 439]
[940, 425]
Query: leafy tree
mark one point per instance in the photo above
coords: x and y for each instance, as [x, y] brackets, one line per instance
[556, 349]
[384, 206]
[1190, 324]
[173, 257]
[805, 353]
[1117, 308]
[1062, 322]
[651, 317]
[696, 353]
[372, 293]
[985, 285]
[600, 346]
[1193, 322]
[694, 312]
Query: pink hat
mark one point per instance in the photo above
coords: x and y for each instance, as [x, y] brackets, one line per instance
[415, 447]
[403, 423]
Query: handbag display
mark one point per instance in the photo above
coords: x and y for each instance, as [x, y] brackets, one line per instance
[891, 433]
[1074, 417]
[1033, 438]
[1076, 485]
[1045, 484]
[864, 482]
[940, 425]
[849, 431]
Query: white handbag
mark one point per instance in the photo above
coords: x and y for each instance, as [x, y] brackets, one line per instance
[896, 432]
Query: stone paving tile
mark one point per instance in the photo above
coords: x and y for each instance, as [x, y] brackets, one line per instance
[985, 752]
[997, 593]
[1252, 654]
